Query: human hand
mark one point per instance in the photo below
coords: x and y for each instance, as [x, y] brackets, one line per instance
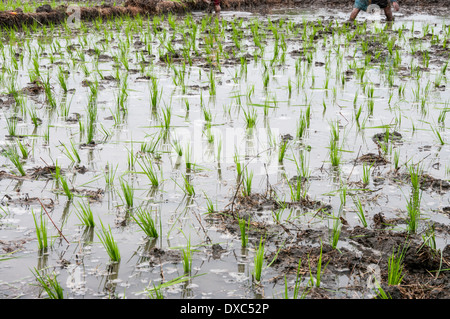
[396, 6]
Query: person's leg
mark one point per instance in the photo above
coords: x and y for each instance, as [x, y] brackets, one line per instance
[388, 13]
[357, 7]
[217, 6]
[354, 14]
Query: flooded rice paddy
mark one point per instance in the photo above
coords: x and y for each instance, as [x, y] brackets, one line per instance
[320, 146]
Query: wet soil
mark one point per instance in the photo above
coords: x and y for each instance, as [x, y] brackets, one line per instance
[45, 14]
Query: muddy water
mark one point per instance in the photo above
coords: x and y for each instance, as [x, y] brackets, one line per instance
[221, 268]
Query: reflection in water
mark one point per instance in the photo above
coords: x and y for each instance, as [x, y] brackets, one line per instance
[110, 285]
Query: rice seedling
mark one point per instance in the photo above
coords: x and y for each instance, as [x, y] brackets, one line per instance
[149, 171]
[395, 266]
[85, 214]
[366, 173]
[282, 151]
[72, 154]
[49, 284]
[12, 154]
[146, 222]
[34, 117]
[41, 231]
[360, 211]
[244, 227]
[188, 186]
[319, 271]
[128, 193]
[250, 118]
[413, 209]
[110, 174]
[155, 292]
[429, 239]
[106, 238]
[258, 261]
[336, 232]
[239, 165]
[187, 257]
[23, 150]
[247, 183]
[11, 123]
[298, 279]
[66, 187]
[396, 159]
[188, 157]
[381, 294]
[438, 135]
[166, 116]
[335, 153]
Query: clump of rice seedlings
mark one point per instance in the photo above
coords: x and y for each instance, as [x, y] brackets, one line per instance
[282, 151]
[335, 154]
[413, 204]
[48, 92]
[396, 159]
[366, 173]
[62, 79]
[187, 257]
[247, 183]
[155, 292]
[177, 148]
[360, 211]
[85, 214]
[41, 231]
[166, 116]
[109, 243]
[296, 189]
[239, 165]
[301, 127]
[438, 135]
[250, 118]
[443, 115]
[155, 94]
[209, 205]
[146, 222]
[49, 284]
[188, 186]
[72, 154]
[343, 194]
[34, 117]
[212, 83]
[336, 232]
[395, 266]
[12, 154]
[131, 158]
[319, 270]
[11, 123]
[413, 209]
[91, 120]
[66, 187]
[149, 171]
[187, 157]
[381, 294]
[244, 227]
[258, 261]
[298, 279]
[128, 193]
[152, 145]
[110, 174]
[23, 150]
[429, 239]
